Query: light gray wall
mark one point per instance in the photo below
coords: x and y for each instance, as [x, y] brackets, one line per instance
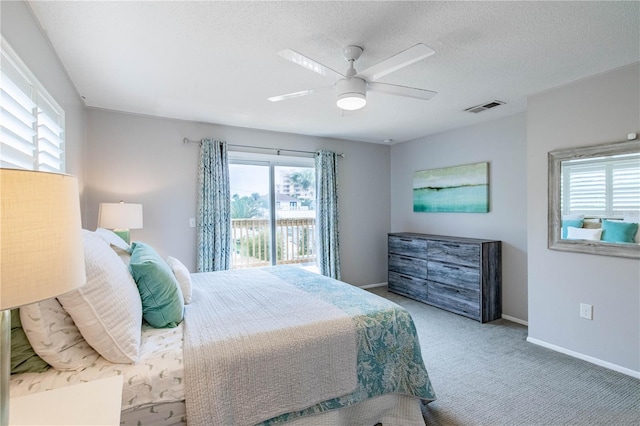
[599, 109]
[143, 160]
[25, 36]
[502, 143]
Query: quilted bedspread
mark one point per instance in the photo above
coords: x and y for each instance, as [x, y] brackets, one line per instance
[256, 346]
[389, 357]
[387, 347]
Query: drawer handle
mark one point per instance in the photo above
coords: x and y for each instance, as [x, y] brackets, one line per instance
[451, 267]
[406, 240]
[406, 277]
[408, 259]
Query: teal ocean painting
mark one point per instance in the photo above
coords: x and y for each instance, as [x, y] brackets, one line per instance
[462, 189]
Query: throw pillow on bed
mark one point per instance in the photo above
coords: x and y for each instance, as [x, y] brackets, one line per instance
[120, 246]
[633, 217]
[583, 233]
[162, 300]
[183, 276]
[574, 223]
[107, 309]
[23, 357]
[55, 337]
[615, 231]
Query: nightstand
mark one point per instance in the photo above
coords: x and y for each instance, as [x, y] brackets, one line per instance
[91, 403]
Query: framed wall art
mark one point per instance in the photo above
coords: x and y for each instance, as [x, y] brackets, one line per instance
[460, 189]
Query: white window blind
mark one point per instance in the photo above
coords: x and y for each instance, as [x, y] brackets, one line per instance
[602, 187]
[32, 123]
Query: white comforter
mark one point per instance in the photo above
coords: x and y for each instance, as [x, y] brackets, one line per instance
[246, 362]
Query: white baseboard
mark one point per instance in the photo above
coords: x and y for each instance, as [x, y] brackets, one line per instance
[514, 319]
[507, 317]
[596, 361]
[366, 286]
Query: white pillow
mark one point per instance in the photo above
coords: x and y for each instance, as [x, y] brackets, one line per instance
[107, 310]
[55, 337]
[183, 276]
[120, 246]
[113, 239]
[574, 233]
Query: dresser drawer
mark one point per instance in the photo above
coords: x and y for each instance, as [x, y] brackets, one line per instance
[461, 275]
[461, 301]
[408, 266]
[467, 277]
[408, 247]
[454, 252]
[408, 286]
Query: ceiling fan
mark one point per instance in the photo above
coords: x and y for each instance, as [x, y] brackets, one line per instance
[351, 88]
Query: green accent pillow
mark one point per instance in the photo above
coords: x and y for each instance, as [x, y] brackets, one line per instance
[576, 223]
[614, 231]
[162, 300]
[23, 358]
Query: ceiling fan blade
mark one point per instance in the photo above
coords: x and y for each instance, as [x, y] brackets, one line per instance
[310, 64]
[394, 63]
[407, 92]
[300, 93]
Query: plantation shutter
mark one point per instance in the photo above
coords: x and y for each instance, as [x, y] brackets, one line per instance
[32, 123]
[602, 187]
[50, 137]
[626, 186]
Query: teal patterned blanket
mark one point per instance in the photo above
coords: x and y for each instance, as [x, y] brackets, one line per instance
[389, 358]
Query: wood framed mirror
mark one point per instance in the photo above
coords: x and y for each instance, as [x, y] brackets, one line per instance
[582, 183]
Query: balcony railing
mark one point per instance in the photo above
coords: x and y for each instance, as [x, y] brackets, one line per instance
[295, 242]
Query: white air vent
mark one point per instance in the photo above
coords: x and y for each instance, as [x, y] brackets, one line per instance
[479, 108]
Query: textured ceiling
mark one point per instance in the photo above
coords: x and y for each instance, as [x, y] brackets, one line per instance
[216, 62]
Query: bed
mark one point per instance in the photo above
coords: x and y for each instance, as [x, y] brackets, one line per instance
[267, 346]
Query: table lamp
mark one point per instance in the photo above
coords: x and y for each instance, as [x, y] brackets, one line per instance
[121, 217]
[41, 249]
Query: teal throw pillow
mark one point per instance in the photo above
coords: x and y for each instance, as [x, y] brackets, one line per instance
[614, 231]
[162, 300]
[576, 223]
[23, 358]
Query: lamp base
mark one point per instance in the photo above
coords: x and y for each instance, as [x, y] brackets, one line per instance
[5, 364]
[124, 234]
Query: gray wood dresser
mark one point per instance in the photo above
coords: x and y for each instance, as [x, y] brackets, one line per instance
[461, 275]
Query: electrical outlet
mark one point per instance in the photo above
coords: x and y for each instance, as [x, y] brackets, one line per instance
[192, 222]
[586, 311]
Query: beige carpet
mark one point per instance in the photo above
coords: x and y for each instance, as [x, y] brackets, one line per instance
[487, 374]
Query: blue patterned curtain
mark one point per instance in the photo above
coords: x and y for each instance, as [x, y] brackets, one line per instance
[327, 213]
[214, 208]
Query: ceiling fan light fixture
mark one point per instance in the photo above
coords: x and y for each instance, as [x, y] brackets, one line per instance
[352, 94]
[352, 87]
[351, 101]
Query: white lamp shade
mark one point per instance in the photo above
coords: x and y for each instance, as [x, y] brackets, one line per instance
[41, 249]
[120, 216]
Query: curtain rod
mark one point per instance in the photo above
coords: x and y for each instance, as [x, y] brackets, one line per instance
[278, 150]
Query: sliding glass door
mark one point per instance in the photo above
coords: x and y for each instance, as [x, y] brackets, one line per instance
[272, 211]
[250, 215]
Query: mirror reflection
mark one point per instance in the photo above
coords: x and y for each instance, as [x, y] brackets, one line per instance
[600, 198]
[594, 199]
